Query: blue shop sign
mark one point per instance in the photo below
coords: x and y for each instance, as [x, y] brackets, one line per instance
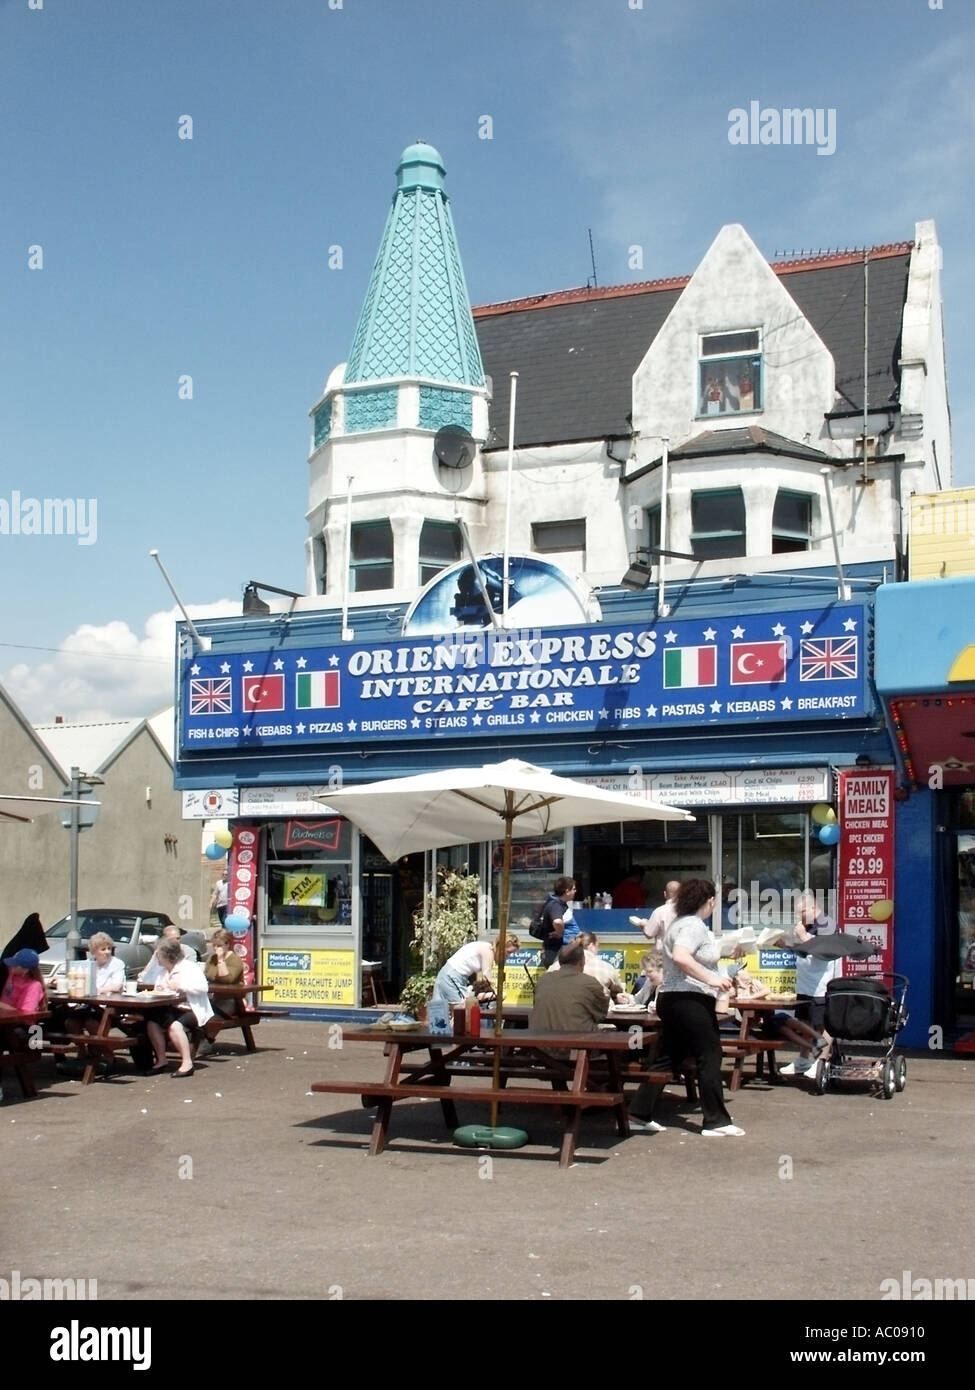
[769, 667]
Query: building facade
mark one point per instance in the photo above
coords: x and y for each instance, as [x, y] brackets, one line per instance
[633, 534]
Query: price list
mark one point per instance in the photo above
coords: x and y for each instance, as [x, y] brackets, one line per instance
[866, 869]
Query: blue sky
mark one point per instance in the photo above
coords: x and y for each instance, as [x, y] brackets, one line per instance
[208, 257]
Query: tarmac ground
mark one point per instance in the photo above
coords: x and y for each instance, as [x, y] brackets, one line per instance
[241, 1184]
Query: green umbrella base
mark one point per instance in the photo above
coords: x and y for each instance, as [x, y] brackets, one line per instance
[490, 1137]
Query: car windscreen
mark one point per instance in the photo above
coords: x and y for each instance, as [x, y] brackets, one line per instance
[117, 925]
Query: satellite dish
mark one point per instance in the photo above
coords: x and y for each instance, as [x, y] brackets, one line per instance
[454, 447]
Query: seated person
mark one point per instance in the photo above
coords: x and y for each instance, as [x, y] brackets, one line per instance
[224, 967]
[599, 969]
[190, 1010]
[23, 992]
[109, 979]
[569, 1000]
[645, 989]
[813, 974]
[456, 978]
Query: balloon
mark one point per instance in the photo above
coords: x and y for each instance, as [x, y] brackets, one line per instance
[214, 851]
[237, 922]
[223, 838]
[881, 911]
[829, 835]
[822, 813]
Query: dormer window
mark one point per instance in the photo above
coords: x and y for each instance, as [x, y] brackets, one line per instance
[730, 373]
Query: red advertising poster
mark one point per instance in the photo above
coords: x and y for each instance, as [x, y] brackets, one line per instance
[866, 873]
[242, 892]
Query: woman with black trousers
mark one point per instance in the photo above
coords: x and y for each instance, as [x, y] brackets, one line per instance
[685, 999]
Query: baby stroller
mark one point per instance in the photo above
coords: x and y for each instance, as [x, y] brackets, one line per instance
[863, 1017]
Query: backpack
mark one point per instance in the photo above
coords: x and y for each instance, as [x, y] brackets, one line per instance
[538, 927]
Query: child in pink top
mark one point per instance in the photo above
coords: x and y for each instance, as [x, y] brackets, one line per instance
[24, 990]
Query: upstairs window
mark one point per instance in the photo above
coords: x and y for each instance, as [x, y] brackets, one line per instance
[557, 537]
[320, 550]
[653, 530]
[718, 523]
[372, 556]
[730, 373]
[439, 547]
[791, 522]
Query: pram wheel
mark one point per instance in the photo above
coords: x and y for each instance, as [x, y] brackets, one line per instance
[821, 1076]
[888, 1082]
[900, 1072]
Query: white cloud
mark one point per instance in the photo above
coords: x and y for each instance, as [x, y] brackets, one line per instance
[106, 672]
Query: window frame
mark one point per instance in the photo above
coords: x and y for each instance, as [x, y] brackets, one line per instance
[719, 362]
[436, 565]
[715, 535]
[369, 565]
[784, 533]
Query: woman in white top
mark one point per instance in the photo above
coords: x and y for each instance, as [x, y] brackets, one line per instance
[191, 1009]
[456, 977]
[109, 979]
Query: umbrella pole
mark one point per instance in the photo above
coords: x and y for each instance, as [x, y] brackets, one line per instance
[504, 908]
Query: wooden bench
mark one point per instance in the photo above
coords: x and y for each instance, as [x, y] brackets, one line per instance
[245, 1021]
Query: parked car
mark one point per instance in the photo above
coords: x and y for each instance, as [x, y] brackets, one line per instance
[134, 930]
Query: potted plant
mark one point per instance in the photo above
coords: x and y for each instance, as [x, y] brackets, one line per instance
[415, 994]
[446, 919]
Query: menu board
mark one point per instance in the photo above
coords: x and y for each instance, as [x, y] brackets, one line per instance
[866, 874]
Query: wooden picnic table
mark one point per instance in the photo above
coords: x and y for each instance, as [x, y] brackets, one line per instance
[247, 1017]
[100, 1045]
[535, 1057]
[749, 1043]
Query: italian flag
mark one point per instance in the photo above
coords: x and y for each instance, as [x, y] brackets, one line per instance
[690, 666]
[317, 690]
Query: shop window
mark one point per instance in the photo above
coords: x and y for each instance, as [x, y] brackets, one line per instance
[730, 373]
[718, 523]
[372, 556]
[765, 866]
[440, 546]
[791, 522]
[535, 865]
[559, 536]
[309, 875]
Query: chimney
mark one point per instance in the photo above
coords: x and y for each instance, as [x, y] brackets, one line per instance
[59, 719]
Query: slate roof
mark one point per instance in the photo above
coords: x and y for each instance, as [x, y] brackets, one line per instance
[576, 350]
[750, 439]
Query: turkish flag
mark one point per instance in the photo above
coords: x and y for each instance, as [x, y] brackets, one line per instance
[263, 692]
[758, 663]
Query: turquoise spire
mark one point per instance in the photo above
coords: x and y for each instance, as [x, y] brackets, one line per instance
[416, 320]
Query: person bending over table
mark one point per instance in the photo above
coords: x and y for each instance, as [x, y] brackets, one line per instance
[686, 999]
[190, 1012]
[456, 978]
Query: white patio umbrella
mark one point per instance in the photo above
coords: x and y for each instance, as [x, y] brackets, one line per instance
[28, 808]
[499, 801]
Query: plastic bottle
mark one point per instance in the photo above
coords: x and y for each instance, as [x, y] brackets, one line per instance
[472, 1011]
[607, 900]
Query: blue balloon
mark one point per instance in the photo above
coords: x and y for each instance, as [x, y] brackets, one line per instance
[214, 851]
[829, 834]
[237, 923]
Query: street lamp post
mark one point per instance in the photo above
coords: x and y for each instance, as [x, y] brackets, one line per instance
[79, 818]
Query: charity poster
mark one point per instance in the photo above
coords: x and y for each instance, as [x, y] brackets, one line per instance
[866, 866]
[309, 979]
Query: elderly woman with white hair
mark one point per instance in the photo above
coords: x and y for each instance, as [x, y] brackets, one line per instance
[190, 1012]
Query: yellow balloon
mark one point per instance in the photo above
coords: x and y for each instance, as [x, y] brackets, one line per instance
[223, 838]
[882, 911]
[823, 814]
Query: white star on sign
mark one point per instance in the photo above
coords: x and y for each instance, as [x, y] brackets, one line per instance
[476, 719]
[651, 711]
[850, 625]
[194, 670]
[709, 634]
[333, 661]
[534, 717]
[670, 636]
[299, 728]
[778, 630]
[352, 726]
[806, 628]
[301, 663]
[415, 723]
[603, 713]
[248, 667]
[279, 665]
[738, 631]
[786, 703]
[716, 707]
[225, 668]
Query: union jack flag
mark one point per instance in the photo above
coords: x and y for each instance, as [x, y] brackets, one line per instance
[828, 659]
[211, 697]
